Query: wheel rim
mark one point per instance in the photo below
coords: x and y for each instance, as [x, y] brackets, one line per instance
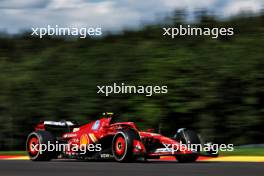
[120, 146]
[33, 146]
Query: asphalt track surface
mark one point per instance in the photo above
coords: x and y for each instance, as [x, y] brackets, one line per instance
[151, 168]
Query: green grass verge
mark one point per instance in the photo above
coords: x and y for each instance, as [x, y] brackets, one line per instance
[13, 153]
[245, 151]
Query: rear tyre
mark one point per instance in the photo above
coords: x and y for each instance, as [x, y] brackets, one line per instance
[122, 145]
[187, 137]
[34, 140]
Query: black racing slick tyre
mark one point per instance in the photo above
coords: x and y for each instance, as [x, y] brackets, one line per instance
[122, 145]
[35, 140]
[187, 137]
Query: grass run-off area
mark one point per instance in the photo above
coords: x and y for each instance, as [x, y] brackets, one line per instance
[245, 151]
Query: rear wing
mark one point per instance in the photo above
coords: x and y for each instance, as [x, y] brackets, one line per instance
[55, 124]
[60, 123]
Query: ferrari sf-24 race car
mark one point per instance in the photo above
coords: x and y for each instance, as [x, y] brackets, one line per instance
[121, 141]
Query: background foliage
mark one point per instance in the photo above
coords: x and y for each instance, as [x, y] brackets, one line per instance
[215, 86]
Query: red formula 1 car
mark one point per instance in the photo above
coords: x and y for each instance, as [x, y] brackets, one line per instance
[105, 138]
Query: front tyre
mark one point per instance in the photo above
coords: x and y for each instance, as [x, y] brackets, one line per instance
[187, 137]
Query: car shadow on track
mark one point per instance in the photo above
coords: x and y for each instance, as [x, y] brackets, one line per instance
[136, 162]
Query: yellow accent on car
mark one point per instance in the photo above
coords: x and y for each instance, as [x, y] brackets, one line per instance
[92, 136]
[84, 139]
